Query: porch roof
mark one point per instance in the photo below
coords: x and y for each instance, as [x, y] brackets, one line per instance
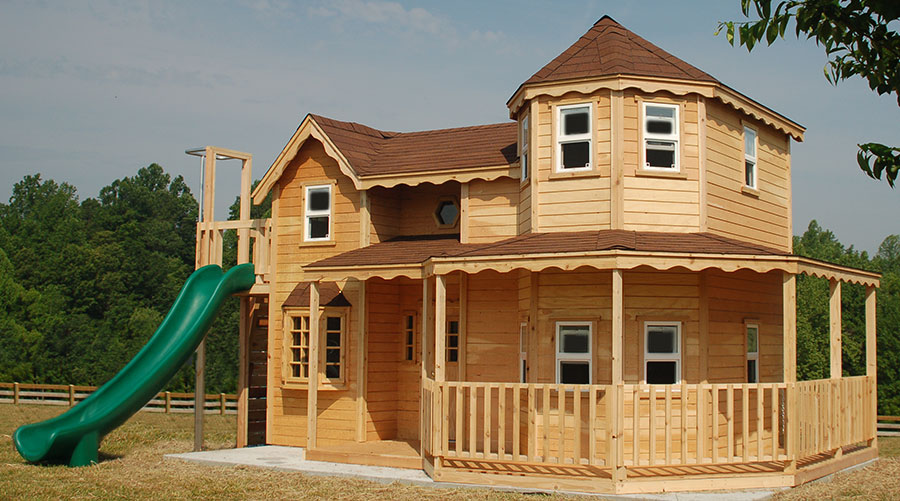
[421, 256]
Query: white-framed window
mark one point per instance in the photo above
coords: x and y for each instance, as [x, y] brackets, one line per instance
[752, 353]
[523, 142]
[662, 352]
[409, 337]
[453, 341]
[317, 213]
[661, 136]
[523, 352]
[573, 352]
[573, 138]
[750, 143]
[332, 345]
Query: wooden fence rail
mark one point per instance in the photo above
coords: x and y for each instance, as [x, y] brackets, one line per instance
[889, 426]
[69, 395]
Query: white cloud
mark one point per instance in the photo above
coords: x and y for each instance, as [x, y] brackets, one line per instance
[390, 14]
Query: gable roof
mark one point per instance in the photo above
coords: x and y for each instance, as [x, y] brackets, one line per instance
[608, 48]
[373, 152]
[365, 153]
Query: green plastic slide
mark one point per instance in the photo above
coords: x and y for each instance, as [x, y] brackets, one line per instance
[74, 437]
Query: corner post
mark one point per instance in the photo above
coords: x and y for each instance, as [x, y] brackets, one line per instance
[834, 315]
[243, 234]
[872, 362]
[440, 364]
[615, 403]
[789, 368]
[361, 363]
[312, 387]
[426, 304]
[208, 215]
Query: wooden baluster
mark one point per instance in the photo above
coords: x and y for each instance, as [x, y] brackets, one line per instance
[745, 422]
[651, 429]
[760, 421]
[532, 424]
[501, 422]
[729, 395]
[459, 401]
[636, 425]
[683, 423]
[473, 421]
[487, 421]
[517, 423]
[668, 424]
[576, 411]
[561, 392]
[592, 425]
[715, 423]
[546, 427]
[701, 423]
[774, 413]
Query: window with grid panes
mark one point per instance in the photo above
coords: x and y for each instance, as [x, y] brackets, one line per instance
[299, 347]
[453, 341]
[409, 338]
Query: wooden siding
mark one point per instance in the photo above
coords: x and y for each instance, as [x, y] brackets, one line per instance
[384, 357]
[492, 330]
[733, 299]
[573, 201]
[493, 210]
[658, 203]
[287, 406]
[764, 219]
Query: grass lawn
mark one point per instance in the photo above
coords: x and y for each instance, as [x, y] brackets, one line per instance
[132, 467]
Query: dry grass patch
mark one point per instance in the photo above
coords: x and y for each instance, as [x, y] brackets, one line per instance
[133, 467]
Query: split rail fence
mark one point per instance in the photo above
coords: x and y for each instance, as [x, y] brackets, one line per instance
[69, 395]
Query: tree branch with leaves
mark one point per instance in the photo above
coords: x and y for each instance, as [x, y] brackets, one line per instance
[860, 38]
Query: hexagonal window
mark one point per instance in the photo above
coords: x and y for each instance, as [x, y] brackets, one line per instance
[446, 213]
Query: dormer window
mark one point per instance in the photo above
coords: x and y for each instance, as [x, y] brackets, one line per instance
[318, 213]
[574, 137]
[661, 136]
[446, 214]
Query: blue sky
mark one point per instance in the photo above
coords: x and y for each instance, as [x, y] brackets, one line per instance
[93, 91]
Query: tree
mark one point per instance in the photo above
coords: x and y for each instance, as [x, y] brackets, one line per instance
[857, 35]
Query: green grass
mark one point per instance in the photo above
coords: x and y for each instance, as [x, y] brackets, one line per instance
[133, 467]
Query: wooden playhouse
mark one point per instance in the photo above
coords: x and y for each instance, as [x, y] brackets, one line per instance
[598, 295]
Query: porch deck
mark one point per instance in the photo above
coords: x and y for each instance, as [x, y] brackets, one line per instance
[390, 453]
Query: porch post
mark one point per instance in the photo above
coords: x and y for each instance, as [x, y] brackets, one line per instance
[362, 355]
[426, 304]
[834, 300]
[872, 362]
[243, 381]
[789, 367]
[615, 416]
[312, 387]
[834, 314]
[440, 364]
[243, 250]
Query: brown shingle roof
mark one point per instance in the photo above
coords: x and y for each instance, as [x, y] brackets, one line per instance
[608, 48]
[415, 250]
[373, 152]
[329, 295]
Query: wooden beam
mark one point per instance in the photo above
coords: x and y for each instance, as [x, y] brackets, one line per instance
[617, 164]
[365, 219]
[704, 329]
[244, 329]
[440, 327]
[275, 329]
[618, 329]
[463, 324]
[872, 358]
[243, 251]
[426, 304]
[789, 369]
[362, 363]
[312, 387]
[834, 302]
[701, 128]
[209, 186]
[464, 213]
[199, 394]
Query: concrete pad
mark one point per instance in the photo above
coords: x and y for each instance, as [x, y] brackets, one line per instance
[293, 459]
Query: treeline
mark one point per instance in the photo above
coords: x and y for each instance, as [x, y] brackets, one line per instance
[83, 286]
[813, 319]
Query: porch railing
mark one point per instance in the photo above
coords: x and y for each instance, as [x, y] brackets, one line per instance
[254, 239]
[658, 425]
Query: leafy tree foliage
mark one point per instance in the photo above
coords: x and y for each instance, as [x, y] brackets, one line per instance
[859, 36]
[813, 314]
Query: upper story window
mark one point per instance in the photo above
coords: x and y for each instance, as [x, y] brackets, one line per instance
[750, 143]
[662, 352]
[317, 213]
[523, 142]
[573, 352]
[661, 136]
[573, 140]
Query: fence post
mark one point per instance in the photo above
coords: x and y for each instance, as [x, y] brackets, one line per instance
[222, 404]
[16, 393]
[168, 402]
[71, 395]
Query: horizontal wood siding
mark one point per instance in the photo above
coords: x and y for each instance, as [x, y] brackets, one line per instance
[337, 413]
[573, 203]
[763, 219]
[384, 207]
[661, 203]
[384, 357]
[493, 210]
[492, 336]
[733, 299]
